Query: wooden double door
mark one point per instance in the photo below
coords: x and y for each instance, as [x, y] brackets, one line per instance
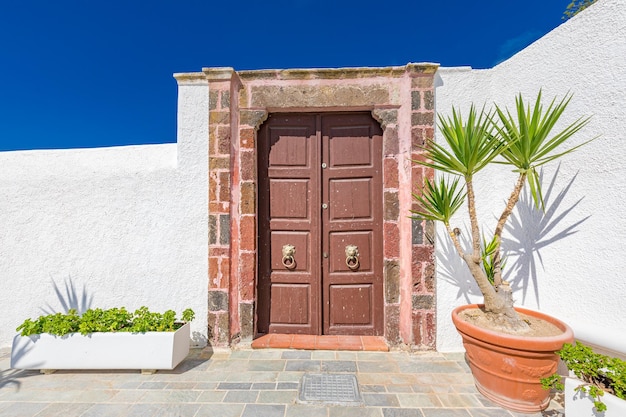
[320, 225]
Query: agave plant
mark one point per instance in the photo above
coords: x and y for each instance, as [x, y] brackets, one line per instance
[522, 140]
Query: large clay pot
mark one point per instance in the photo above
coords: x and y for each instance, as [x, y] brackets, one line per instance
[507, 369]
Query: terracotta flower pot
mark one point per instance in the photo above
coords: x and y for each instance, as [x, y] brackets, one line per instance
[507, 369]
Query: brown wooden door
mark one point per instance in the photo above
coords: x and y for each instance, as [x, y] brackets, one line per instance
[320, 192]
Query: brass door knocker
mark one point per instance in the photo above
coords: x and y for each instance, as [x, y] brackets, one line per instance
[352, 257]
[289, 261]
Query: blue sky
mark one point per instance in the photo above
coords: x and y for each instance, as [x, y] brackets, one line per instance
[86, 73]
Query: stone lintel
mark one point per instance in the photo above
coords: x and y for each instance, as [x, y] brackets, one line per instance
[339, 73]
[191, 78]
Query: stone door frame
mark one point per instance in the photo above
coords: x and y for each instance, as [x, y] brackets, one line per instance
[401, 99]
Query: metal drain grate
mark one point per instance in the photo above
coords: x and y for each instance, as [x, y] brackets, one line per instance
[338, 389]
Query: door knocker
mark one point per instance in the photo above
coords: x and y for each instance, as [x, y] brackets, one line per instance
[289, 261]
[352, 257]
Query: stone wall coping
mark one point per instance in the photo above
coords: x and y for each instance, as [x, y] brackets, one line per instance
[339, 73]
[190, 78]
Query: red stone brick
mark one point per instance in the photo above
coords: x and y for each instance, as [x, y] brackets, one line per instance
[246, 138]
[223, 140]
[219, 207]
[224, 272]
[416, 276]
[422, 253]
[224, 186]
[247, 233]
[247, 267]
[390, 173]
[213, 272]
[212, 187]
[248, 198]
[248, 166]
[219, 251]
[391, 240]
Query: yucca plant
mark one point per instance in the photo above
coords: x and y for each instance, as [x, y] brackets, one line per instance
[522, 140]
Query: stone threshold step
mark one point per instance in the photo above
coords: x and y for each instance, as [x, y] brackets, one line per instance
[313, 342]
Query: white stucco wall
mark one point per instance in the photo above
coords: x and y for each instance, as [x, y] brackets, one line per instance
[575, 269]
[123, 226]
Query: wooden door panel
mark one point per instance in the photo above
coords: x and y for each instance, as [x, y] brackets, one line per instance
[302, 256]
[353, 306]
[294, 198]
[288, 172]
[350, 198]
[291, 306]
[352, 188]
[337, 252]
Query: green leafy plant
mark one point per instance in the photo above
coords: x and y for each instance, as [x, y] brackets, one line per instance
[599, 373]
[575, 7]
[521, 139]
[111, 320]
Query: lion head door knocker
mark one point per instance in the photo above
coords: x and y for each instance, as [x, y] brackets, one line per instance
[289, 261]
[352, 257]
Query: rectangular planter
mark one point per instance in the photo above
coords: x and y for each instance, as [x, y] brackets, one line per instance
[579, 404]
[118, 350]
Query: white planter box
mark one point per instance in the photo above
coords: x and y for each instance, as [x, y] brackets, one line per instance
[579, 404]
[118, 350]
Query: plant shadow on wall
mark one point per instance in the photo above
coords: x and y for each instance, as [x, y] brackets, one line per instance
[70, 298]
[529, 231]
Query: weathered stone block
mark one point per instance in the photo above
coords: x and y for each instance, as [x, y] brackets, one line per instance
[392, 282]
[391, 205]
[218, 301]
[422, 302]
[416, 100]
[248, 166]
[219, 162]
[390, 173]
[422, 119]
[417, 232]
[319, 96]
[224, 186]
[392, 324]
[248, 198]
[386, 117]
[225, 99]
[429, 100]
[213, 98]
[212, 229]
[224, 229]
[223, 140]
[246, 315]
[390, 142]
[252, 118]
[219, 117]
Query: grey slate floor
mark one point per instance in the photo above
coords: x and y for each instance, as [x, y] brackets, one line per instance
[255, 383]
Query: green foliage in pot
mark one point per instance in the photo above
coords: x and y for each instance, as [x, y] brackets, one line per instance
[111, 320]
[521, 139]
[599, 373]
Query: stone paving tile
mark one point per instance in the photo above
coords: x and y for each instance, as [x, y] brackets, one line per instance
[303, 365]
[234, 385]
[488, 412]
[277, 397]
[372, 388]
[266, 365]
[446, 412]
[264, 386]
[297, 354]
[355, 412]
[241, 396]
[418, 400]
[262, 410]
[287, 385]
[64, 410]
[324, 355]
[430, 367]
[378, 367]
[297, 410]
[211, 397]
[381, 400]
[339, 366]
[152, 385]
[107, 410]
[162, 410]
[400, 412]
[250, 376]
[458, 400]
[220, 410]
